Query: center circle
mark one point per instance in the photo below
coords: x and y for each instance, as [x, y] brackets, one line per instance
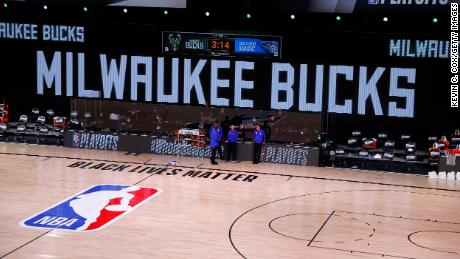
[304, 227]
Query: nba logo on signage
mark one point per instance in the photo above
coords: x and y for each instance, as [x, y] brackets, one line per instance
[373, 1]
[76, 139]
[92, 209]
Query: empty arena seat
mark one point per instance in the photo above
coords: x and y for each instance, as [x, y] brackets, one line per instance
[20, 133]
[410, 147]
[440, 145]
[363, 153]
[74, 114]
[411, 157]
[23, 118]
[434, 154]
[389, 144]
[74, 124]
[340, 151]
[378, 156]
[114, 116]
[388, 155]
[455, 140]
[405, 137]
[49, 115]
[382, 136]
[3, 107]
[352, 141]
[35, 111]
[41, 120]
[356, 133]
[369, 143]
[50, 112]
[59, 121]
[432, 139]
[44, 130]
[21, 128]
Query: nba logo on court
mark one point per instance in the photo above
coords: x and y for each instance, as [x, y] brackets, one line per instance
[92, 209]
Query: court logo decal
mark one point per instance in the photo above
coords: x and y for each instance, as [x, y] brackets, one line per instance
[92, 209]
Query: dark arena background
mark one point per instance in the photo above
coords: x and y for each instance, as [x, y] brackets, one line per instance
[114, 102]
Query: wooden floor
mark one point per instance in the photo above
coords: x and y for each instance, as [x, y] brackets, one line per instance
[247, 211]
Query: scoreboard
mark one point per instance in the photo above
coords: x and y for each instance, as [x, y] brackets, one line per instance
[213, 44]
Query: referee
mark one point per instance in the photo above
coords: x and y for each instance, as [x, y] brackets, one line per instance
[215, 134]
[232, 140]
[258, 140]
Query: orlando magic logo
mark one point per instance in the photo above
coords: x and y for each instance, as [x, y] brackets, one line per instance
[271, 47]
[174, 40]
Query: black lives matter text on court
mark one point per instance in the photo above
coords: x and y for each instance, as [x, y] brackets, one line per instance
[167, 171]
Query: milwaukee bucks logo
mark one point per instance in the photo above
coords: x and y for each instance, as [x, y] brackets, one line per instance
[174, 40]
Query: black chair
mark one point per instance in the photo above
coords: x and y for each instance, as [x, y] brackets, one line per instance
[381, 137]
[74, 114]
[339, 151]
[433, 157]
[411, 157]
[23, 119]
[388, 155]
[74, 124]
[42, 135]
[432, 139]
[49, 116]
[356, 133]
[441, 145]
[455, 139]
[363, 153]
[3, 128]
[21, 133]
[410, 147]
[389, 145]
[404, 139]
[352, 144]
[41, 120]
[34, 114]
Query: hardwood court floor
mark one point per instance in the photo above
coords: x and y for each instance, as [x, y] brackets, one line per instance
[246, 211]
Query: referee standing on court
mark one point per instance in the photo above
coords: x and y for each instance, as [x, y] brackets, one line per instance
[258, 140]
[232, 140]
[215, 134]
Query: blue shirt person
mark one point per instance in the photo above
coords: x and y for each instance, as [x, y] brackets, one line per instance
[215, 134]
[259, 135]
[232, 139]
[232, 136]
[258, 139]
[215, 137]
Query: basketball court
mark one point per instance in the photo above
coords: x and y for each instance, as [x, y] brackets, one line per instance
[233, 210]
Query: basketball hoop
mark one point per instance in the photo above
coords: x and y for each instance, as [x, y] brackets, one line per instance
[450, 157]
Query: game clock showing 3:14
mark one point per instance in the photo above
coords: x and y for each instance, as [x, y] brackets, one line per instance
[221, 45]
